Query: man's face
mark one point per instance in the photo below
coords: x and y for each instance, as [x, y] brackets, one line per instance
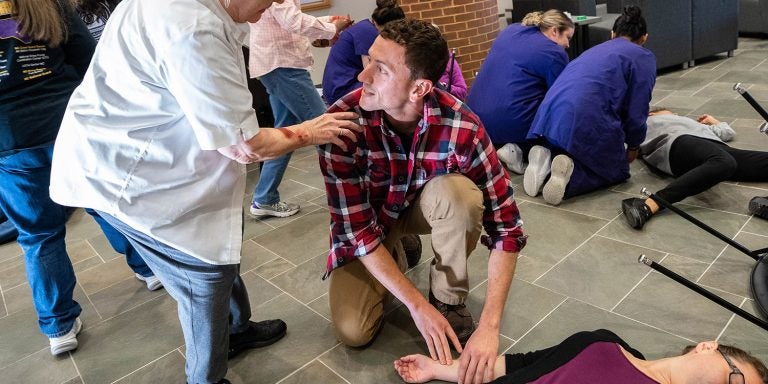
[387, 83]
[250, 11]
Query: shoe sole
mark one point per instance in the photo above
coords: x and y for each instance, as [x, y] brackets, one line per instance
[69, 345]
[256, 344]
[257, 212]
[759, 207]
[630, 214]
[537, 170]
[512, 158]
[562, 169]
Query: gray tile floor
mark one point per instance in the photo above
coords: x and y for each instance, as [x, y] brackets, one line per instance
[579, 272]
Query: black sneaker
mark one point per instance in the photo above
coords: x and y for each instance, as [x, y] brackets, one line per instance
[257, 335]
[458, 317]
[636, 212]
[412, 247]
[758, 206]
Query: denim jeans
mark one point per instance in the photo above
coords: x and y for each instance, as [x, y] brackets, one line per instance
[24, 199]
[294, 99]
[212, 301]
[121, 245]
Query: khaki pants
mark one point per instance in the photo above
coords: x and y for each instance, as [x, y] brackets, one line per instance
[450, 208]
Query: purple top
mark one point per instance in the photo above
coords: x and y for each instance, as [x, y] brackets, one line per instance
[458, 85]
[345, 60]
[601, 362]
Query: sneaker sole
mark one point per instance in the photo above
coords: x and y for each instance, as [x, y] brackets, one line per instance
[630, 214]
[257, 212]
[759, 207]
[69, 345]
[537, 170]
[511, 158]
[562, 169]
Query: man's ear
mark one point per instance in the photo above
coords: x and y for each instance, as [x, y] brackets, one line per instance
[422, 87]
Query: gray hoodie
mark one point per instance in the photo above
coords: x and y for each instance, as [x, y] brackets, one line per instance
[663, 130]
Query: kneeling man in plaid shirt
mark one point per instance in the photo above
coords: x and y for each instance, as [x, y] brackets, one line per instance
[422, 165]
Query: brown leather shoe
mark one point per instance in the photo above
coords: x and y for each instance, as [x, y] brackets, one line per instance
[458, 316]
[412, 247]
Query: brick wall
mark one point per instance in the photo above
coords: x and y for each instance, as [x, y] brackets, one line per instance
[470, 26]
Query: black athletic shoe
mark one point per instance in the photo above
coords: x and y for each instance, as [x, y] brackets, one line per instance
[758, 206]
[636, 212]
[257, 335]
[412, 247]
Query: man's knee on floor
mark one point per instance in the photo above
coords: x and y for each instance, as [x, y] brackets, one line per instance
[456, 196]
[354, 333]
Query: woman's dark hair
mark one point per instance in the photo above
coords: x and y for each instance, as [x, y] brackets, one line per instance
[426, 51]
[386, 11]
[740, 355]
[630, 24]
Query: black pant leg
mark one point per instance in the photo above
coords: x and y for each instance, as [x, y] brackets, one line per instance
[698, 164]
[751, 165]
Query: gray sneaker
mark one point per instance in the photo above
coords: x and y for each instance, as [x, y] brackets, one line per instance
[279, 209]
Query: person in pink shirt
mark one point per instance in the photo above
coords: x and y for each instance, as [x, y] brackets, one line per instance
[280, 58]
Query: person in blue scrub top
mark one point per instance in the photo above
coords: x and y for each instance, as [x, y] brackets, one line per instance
[521, 66]
[349, 55]
[593, 117]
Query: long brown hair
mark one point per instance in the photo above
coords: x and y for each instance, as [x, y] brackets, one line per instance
[41, 20]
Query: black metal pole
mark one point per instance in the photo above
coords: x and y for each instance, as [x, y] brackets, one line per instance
[709, 295]
[698, 223]
[743, 92]
[450, 70]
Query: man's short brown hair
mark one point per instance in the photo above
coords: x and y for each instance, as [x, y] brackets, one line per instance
[426, 51]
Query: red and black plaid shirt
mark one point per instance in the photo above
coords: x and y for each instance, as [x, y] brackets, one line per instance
[371, 183]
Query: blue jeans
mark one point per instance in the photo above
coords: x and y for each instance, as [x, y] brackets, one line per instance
[212, 301]
[121, 245]
[24, 199]
[294, 100]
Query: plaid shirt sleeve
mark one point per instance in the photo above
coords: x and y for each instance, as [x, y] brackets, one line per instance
[501, 218]
[355, 231]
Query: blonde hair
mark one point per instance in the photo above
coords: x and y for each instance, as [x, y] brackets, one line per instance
[552, 18]
[41, 20]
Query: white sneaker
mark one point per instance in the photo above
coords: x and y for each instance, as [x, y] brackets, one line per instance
[562, 169]
[539, 166]
[68, 341]
[512, 157]
[153, 283]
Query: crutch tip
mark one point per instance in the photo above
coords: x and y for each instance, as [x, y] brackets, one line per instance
[644, 260]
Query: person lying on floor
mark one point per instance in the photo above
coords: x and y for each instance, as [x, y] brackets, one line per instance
[602, 357]
[695, 153]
